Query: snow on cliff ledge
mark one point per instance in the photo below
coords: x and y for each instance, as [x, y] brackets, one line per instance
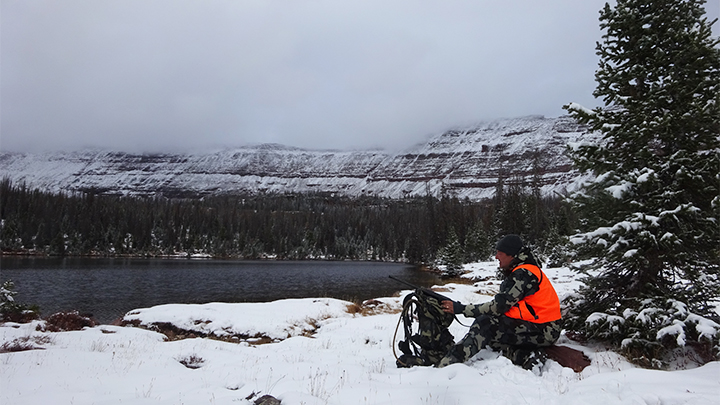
[462, 162]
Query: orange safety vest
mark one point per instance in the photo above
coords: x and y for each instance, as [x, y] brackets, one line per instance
[541, 307]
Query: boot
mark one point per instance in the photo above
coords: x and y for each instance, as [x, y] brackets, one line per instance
[526, 358]
[408, 360]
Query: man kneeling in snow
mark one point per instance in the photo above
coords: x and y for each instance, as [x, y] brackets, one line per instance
[522, 317]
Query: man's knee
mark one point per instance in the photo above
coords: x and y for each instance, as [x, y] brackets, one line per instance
[484, 325]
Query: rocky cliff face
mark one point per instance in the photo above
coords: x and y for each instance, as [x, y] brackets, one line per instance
[464, 162]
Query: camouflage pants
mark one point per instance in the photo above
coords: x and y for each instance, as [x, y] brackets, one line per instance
[517, 339]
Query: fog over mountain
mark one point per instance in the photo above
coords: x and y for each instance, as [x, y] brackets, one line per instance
[464, 162]
[172, 76]
[179, 75]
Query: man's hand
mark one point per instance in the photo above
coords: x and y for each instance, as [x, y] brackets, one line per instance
[447, 306]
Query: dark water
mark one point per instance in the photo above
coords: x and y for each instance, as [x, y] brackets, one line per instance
[108, 288]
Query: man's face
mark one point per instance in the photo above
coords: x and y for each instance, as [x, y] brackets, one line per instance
[504, 259]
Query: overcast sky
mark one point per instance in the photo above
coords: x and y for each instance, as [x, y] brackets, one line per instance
[176, 75]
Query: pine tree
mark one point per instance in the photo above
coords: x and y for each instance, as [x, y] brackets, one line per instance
[477, 245]
[451, 255]
[652, 214]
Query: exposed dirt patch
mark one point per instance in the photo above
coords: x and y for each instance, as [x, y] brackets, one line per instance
[371, 307]
[174, 333]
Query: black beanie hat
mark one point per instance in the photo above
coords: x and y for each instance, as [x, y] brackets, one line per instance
[510, 244]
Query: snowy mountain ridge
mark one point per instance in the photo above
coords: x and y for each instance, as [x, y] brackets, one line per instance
[462, 162]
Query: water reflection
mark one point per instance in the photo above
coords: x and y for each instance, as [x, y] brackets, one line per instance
[108, 288]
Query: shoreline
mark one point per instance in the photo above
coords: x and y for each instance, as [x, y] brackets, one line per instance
[198, 256]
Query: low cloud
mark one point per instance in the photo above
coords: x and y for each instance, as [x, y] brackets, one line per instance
[181, 75]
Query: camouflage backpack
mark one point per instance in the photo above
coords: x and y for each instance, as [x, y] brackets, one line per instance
[427, 341]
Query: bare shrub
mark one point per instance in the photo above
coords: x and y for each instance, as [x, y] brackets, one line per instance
[192, 361]
[16, 346]
[66, 321]
[24, 344]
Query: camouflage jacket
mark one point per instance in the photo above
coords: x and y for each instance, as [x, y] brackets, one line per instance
[517, 285]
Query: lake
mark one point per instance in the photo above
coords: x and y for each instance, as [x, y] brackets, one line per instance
[107, 288]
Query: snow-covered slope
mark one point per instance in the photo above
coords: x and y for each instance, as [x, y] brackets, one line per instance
[319, 354]
[463, 162]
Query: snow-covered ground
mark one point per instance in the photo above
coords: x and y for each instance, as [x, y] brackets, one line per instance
[320, 353]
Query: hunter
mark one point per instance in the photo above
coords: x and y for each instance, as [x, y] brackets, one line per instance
[522, 317]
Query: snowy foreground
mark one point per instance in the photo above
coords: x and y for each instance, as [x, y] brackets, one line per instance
[320, 353]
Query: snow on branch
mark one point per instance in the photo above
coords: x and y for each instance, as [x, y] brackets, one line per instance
[575, 107]
[705, 328]
[601, 317]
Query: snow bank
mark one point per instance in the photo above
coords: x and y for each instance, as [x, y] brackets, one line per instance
[276, 320]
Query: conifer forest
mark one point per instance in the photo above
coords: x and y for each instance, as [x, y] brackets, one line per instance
[425, 230]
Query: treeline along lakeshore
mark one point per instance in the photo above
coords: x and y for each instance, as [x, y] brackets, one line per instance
[307, 226]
